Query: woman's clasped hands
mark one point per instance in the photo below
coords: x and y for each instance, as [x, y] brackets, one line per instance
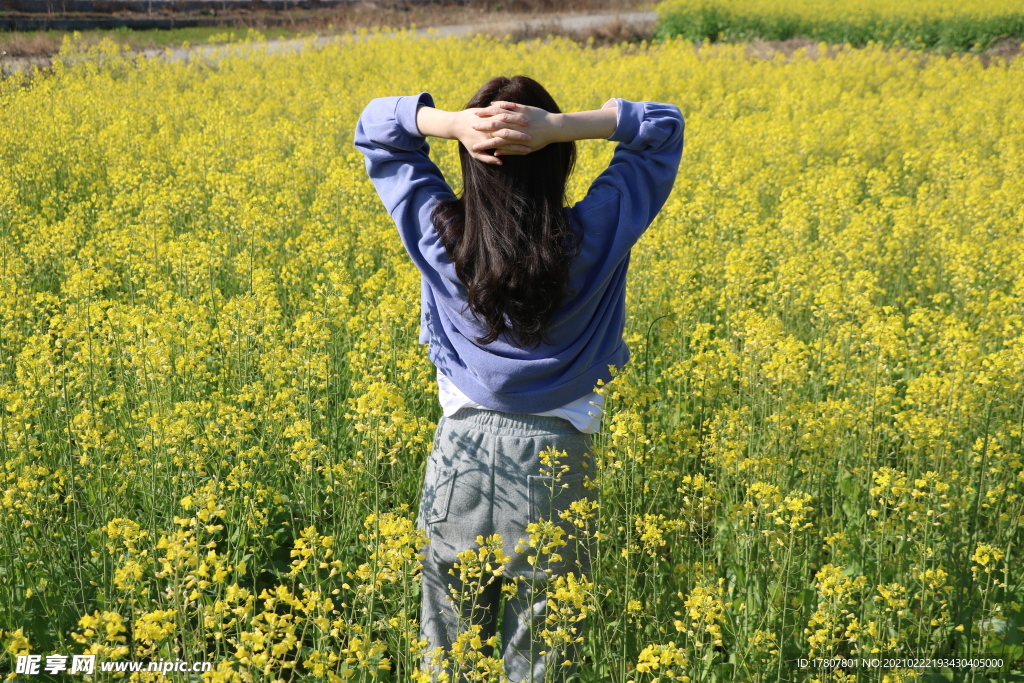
[507, 128]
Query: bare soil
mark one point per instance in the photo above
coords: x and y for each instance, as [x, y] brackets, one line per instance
[612, 32]
[338, 20]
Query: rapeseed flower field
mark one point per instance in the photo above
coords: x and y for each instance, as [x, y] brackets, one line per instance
[214, 414]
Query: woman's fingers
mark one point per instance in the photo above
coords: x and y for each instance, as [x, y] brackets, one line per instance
[500, 145]
[496, 122]
[487, 158]
[512, 150]
[501, 138]
[506, 134]
[508, 150]
[507, 105]
[500, 124]
[498, 109]
[501, 117]
[493, 157]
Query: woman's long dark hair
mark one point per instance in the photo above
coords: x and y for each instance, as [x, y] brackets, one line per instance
[508, 234]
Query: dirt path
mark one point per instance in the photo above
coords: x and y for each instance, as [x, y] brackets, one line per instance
[623, 23]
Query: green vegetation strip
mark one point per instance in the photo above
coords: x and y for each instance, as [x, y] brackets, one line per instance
[967, 26]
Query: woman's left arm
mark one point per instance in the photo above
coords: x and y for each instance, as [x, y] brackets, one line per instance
[397, 154]
[391, 134]
[405, 177]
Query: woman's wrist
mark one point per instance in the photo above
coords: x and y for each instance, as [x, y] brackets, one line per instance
[434, 122]
[596, 124]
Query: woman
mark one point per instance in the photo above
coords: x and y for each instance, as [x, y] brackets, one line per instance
[523, 305]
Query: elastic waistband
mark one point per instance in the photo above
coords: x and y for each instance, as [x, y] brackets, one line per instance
[498, 422]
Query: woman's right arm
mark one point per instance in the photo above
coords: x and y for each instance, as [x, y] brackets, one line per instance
[640, 176]
[596, 124]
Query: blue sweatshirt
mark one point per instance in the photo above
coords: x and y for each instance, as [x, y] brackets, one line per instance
[586, 332]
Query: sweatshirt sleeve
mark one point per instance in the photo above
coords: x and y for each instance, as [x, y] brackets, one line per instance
[642, 171]
[406, 179]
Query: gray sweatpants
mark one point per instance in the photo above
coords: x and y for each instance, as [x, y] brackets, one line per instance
[483, 478]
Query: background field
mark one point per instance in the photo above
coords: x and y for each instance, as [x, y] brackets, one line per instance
[214, 414]
[924, 24]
